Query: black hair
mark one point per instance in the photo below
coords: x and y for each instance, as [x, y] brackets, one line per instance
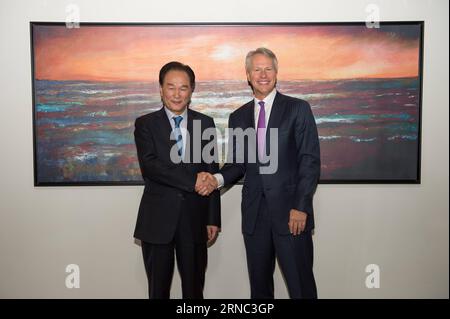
[174, 65]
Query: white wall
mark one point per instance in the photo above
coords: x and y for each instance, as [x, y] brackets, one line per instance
[402, 228]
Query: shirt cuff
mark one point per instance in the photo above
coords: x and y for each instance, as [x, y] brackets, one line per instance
[220, 180]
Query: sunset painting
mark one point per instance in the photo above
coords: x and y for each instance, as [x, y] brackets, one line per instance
[91, 83]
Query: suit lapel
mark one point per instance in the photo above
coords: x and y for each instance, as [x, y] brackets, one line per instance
[250, 115]
[249, 122]
[165, 128]
[277, 112]
[276, 117]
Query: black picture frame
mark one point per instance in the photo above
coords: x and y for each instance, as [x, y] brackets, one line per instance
[41, 154]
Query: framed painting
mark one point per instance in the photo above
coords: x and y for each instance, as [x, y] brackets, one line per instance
[90, 84]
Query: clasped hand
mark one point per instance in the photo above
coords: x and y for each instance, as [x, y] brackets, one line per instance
[205, 183]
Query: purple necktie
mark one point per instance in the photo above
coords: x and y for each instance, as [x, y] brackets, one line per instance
[261, 130]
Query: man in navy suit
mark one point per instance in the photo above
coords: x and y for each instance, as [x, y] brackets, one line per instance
[277, 204]
[172, 216]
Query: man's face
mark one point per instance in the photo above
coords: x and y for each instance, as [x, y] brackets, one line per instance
[176, 91]
[262, 76]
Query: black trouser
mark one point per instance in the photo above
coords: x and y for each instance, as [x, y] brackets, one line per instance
[191, 263]
[294, 254]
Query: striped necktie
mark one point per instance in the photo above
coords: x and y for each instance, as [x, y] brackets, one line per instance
[177, 132]
[261, 130]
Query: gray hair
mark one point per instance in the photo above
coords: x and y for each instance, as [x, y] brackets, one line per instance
[264, 51]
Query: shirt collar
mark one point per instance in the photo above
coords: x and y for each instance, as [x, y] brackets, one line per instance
[268, 100]
[171, 115]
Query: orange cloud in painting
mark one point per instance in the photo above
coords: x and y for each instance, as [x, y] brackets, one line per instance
[136, 53]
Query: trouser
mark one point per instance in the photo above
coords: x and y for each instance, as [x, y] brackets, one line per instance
[191, 262]
[294, 254]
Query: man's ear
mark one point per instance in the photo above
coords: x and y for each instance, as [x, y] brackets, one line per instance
[161, 95]
[248, 81]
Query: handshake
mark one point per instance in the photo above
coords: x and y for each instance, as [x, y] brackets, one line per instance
[205, 184]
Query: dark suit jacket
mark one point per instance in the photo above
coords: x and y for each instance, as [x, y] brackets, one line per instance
[169, 187]
[294, 182]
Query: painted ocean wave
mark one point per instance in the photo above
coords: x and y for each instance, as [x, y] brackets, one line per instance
[84, 130]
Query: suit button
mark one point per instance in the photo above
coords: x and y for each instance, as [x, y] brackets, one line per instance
[180, 195]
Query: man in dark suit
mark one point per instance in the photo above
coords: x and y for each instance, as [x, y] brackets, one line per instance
[172, 216]
[277, 203]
